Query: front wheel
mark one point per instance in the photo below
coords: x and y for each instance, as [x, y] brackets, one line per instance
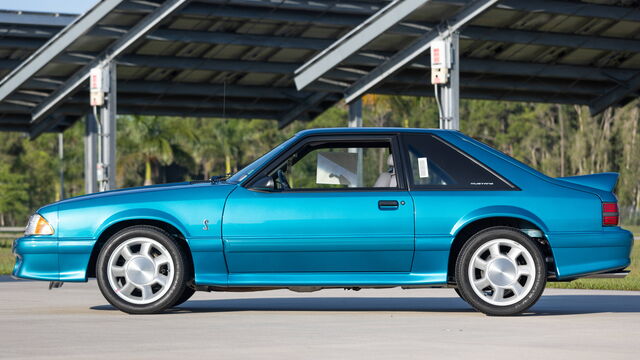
[141, 270]
[501, 271]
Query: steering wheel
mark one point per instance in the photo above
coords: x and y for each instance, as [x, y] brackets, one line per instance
[281, 180]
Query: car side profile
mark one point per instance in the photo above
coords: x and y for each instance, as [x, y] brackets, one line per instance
[338, 208]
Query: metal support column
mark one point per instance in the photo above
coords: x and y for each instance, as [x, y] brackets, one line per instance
[355, 120]
[450, 92]
[108, 126]
[61, 158]
[90, 156]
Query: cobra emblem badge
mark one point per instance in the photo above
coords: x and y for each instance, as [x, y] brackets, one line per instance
[205, 224]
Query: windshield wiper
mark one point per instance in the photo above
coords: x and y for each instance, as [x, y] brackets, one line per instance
[218, 178]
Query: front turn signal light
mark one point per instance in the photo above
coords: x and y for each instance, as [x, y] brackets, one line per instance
[38, 226]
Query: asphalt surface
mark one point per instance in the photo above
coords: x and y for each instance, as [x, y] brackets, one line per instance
[75, 322]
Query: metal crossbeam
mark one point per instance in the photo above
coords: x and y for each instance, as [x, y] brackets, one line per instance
[616, 95]
[241, 91]
[512, 36]
[485, 94]
[141, 28]
[548, 6]
[408, 54]
[573, 9]
[33, 18]
[349, 7]
[55, 46]
[300, 109]
[169, 111]
[354, 40]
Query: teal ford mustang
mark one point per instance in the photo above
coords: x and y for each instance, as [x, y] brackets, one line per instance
[339, 208]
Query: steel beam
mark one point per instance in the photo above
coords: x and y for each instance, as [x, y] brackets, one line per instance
[90, 154]
[467, 65]
[616, 95]
[143, 27]
[486, 94]
[450, 92]
[302, 108]
[348, 7]
[354, 40]
[355, 120]
[189, 63]
[355, 113]
[471, 32]
[408, 54]
[209, 37]
[619, 13]
[33, 18]
[241, 91]
[548, 6]
[55, 46]
[212, 113]
[108, 114]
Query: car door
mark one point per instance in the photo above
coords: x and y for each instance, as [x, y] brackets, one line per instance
[329, 205]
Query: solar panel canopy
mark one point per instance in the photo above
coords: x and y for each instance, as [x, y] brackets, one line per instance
[237, 58]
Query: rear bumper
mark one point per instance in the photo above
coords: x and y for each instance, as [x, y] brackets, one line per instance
[579, 254]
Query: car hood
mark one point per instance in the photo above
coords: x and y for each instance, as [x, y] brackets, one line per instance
[141, 190]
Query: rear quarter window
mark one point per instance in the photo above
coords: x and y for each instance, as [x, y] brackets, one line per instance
[435, 164]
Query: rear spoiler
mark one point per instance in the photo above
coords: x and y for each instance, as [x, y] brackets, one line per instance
[603, 181]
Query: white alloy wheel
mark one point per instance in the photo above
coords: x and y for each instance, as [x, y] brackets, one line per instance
[502, 272]
[140, 270]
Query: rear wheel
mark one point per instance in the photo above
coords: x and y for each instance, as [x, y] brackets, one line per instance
[141, 270]
[500, 271]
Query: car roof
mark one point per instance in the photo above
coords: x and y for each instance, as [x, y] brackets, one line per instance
[369, 130]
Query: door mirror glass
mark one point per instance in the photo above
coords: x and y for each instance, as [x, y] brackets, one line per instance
[264, 183]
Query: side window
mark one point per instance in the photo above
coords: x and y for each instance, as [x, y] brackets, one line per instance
[437, 165]
[338, 165]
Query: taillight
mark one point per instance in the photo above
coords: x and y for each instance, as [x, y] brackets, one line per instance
[610, 215]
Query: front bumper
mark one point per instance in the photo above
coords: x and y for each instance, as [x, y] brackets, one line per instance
[51, 259]
[36, 258]
[577, 254]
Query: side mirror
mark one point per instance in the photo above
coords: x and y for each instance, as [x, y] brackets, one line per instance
[264, 183]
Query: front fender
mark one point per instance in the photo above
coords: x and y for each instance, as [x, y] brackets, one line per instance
[141, 214]
[498, 211]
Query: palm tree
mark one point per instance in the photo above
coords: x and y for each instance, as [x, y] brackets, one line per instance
[154, 141]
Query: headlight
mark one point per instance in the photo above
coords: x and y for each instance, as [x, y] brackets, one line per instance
[38, 226]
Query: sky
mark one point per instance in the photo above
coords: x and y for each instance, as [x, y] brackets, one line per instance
[59, 6]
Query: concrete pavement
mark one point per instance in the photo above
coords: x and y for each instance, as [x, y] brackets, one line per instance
[75, 322]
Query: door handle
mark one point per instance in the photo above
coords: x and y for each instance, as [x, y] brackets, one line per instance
[388, 204]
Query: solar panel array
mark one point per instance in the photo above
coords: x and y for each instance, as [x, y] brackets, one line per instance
[236, 58]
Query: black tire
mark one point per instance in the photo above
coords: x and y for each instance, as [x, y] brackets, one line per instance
[176, 288]
[459, 293]
[483, 303]
[186, 295]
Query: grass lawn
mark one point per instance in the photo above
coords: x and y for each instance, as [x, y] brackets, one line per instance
[6, 259]
[631, 282]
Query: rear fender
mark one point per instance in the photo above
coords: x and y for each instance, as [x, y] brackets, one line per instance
[498, 211]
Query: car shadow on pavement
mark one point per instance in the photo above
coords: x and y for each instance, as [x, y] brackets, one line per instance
[548, 305]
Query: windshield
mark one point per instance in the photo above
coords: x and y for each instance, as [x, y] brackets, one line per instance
[251, 168]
